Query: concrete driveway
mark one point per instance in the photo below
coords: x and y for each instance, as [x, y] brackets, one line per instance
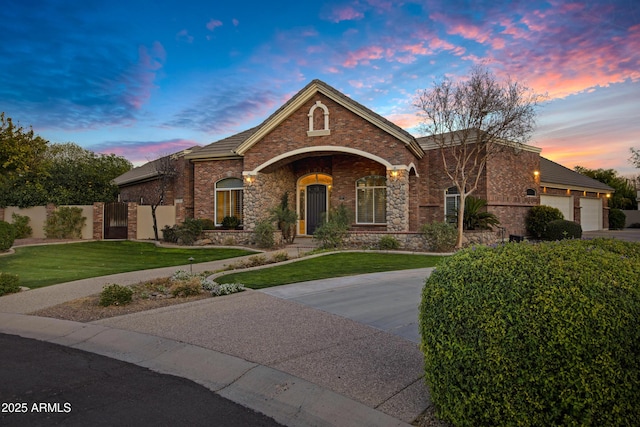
[387, 301]
[628, 234]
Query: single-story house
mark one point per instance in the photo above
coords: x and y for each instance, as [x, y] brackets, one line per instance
[324, 149]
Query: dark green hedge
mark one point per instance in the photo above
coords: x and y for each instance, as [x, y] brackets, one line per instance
[617, 218]
[539, 217]
[535, 334]
[561, 229]
[7, 235]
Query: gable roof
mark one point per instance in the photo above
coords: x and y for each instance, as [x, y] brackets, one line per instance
[470, 136]
[148, 171]
[553, 175]
[239, 143]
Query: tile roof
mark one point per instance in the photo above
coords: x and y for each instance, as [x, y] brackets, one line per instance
[147, 171]
[554, 173]
[223, 148]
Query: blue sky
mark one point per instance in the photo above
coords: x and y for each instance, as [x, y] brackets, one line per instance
[143, 79]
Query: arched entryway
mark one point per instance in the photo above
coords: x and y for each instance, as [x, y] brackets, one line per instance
[313, 195]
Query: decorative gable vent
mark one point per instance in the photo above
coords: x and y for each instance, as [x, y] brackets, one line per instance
[319, 132]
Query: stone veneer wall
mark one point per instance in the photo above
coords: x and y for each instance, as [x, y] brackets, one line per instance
[264, 192]
[235, 237]
[410, 241]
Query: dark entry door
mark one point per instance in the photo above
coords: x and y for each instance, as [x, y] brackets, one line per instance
[115, 220]
[316, 206]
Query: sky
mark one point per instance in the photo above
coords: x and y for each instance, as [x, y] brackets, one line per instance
[142, 79]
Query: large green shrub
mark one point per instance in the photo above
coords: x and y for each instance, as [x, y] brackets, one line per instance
[184, 234]
[263, 234]
[535, 334]
[7, 235]
[440, 236]
[9, 283]
[617, 218]
[65, 223]
[333, 231]
[538, 217]
[560, 229]
[21, 225]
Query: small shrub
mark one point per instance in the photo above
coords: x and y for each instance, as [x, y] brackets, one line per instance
[7, 235]
[440, 236]
[535, 334]
[21, 225]
[229, 241]
[332, 232]
[538, 217]
[562, 229]
[263, 234]
[617, 218]
[169, 234]
[9, 283]
[286, 218]
[115, 295]
[634, 225]
[279, 257]
[388, 243]
[207, 224]
[230, 222]
[474, 216]
[186, 287]
[65, 223]
[189, 231]
[227, 289]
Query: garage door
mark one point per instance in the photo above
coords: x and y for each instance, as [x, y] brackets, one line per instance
[590, 214]
[564, 203]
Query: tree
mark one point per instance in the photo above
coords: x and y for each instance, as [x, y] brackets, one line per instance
[624, 196]
[21, 151]
[635, 157]
[67, 175]
[165, 170]
[472, 120]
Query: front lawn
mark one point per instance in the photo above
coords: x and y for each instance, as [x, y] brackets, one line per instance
[39, 266]
[328, 266]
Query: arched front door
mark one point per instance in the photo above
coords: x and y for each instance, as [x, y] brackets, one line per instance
[313, 201]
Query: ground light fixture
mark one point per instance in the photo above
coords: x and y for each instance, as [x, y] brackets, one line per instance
[191, 259]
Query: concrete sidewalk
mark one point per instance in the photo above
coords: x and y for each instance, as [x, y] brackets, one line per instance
[294, 363]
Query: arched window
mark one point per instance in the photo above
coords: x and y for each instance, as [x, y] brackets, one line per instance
[531, 192]
[228, 199]
[451, 203]
[325, 112]
[371, 204]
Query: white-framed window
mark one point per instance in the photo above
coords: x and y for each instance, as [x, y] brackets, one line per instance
[451, 203]
[228, 199]
[371, 200]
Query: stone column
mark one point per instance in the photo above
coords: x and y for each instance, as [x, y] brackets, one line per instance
[132, 221]
[251, 200]
[98, 221]
[397, 200]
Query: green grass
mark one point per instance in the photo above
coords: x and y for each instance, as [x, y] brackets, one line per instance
[324, 267]
[39, 266]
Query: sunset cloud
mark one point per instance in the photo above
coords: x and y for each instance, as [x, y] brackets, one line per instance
[213, 24]
[344, 13]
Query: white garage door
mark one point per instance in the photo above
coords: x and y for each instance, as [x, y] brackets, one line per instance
[564, 203]
[590, 214]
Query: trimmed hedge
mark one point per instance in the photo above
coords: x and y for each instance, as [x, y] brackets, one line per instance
[535, 334]
[561, 229]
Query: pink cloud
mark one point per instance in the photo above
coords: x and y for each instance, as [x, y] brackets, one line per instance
[363, 56]
[184, 36]
[139, 82]
[140, 152]
[345, 13]
[213, 24]
[235, 22]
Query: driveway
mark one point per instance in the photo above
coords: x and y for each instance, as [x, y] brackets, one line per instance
[628, 234]
[386, 301]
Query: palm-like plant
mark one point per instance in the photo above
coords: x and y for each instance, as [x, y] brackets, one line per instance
[474, 216]
[285, 218]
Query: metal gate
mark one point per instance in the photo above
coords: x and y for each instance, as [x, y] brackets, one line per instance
[115, 220]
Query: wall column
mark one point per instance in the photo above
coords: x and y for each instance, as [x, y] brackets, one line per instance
[397, 200]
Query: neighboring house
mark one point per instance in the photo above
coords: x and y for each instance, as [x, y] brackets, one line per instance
[324, 149]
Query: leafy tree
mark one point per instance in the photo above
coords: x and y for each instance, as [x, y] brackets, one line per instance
[155, 192]
[472, 120]
[635, 157]
[20, 149]
[625, 193]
